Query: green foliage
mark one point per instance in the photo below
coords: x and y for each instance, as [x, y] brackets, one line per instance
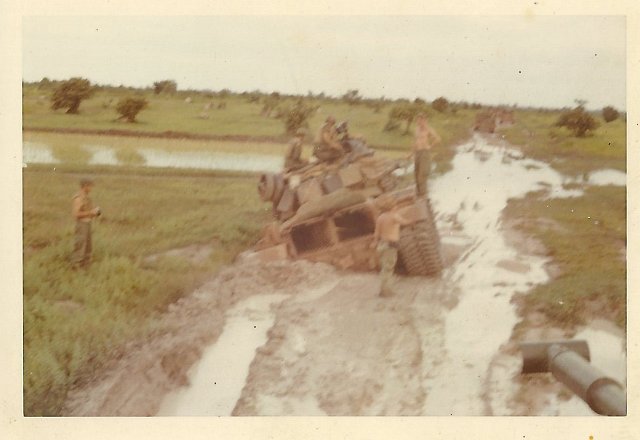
[406, 112]
[297, 116]
[578, 121]
[74, 321]
[538, 136]
[129, 107]
[165, 86]
[270, 103]
[610, 114]
[352, 97]
[69, 94]
[440, 104]
[586, 240]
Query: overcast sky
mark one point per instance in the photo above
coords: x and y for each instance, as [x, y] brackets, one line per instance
[541, 61]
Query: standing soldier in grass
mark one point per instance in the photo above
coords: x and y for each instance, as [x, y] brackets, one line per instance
[83, 212]
[426, 137]
[385, 241]
[293, 159]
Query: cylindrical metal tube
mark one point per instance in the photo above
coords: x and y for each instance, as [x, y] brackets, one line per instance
[603, 395]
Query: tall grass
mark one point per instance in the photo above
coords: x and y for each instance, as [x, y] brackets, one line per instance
[75, 320]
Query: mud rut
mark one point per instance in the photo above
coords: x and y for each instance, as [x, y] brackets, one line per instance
[439, 347]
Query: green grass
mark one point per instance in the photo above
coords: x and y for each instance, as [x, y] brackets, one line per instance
[172, 113]
[534, 132]
[588, 240]
[587, 244]
[75, 321]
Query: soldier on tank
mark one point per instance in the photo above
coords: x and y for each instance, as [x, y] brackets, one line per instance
[83, 212]
[293, 159]
[425, 138]
[385, 241]
[327, 146]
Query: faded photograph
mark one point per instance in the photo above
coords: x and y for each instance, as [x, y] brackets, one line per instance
[324, 215]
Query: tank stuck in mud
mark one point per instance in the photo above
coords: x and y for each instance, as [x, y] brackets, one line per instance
[327, 211]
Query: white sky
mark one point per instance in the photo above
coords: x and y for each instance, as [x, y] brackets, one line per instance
[542, 61]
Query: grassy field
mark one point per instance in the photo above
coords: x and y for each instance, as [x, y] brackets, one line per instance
[535, 133]
[74, 321]
[585, 236]
[172, 113]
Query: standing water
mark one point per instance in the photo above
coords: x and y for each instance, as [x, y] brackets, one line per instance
[216, 381]
[483, 178]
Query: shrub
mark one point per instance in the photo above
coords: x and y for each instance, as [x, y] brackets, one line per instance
[578, 121]
[166, 86]
[130, 107]
[296, 117]
[610, 114]
[69, 94]
[440, 104]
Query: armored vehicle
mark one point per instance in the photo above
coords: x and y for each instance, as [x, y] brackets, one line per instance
[327, 211]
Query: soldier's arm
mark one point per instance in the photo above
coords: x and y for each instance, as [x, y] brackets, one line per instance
[376, 234]
[402, 220]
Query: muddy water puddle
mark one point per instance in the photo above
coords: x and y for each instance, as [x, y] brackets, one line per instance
[216, 381]
[39, 153]
[483, 178]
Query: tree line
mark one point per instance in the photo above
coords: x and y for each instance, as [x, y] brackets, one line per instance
[69, 94]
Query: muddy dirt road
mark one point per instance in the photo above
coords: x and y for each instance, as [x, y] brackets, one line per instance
[297, 338]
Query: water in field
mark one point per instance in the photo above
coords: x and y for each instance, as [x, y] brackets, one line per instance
[39, 153]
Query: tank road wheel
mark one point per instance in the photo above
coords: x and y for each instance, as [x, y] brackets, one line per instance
[419, 248]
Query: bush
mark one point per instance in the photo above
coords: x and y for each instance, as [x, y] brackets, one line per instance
[440, 104]
[130, 107]
[610, 114]
[296, 117]
[406, 112]
[166, 86]
[69, 94]
[578, 121]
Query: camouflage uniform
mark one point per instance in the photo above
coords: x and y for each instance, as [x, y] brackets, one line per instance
[422, 167]
[82, 243]
[388, 256]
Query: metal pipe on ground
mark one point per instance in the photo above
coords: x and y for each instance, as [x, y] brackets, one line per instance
[568, 361]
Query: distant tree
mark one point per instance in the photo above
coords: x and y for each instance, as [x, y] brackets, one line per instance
[610, 114]
[440, 104]
[69, 94]
[224, 93]
[270, 103]
[578, 120]
[166, 86]
[297, 116]
[129, 107]
[45, 83]
[352, 97]
[405, 112]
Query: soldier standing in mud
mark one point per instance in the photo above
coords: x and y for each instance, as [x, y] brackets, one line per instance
[425, 137]
[327, 146]
[83, 212]
[293, 160]
[385, 241]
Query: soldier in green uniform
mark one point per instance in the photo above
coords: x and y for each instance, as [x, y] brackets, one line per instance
[293, 160]
[327, 146]
[83, 212]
